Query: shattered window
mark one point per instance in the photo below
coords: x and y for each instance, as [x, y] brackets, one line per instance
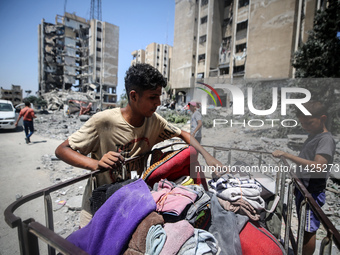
[204, 19]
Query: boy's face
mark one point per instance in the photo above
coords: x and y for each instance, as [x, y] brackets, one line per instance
[192, 108]
[312, 125]
[147, 103]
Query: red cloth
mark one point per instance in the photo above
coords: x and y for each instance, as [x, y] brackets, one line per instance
[257, 240]
[27, 113]
[176, 165]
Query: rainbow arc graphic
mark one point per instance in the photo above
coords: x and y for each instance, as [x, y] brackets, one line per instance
[209, 93]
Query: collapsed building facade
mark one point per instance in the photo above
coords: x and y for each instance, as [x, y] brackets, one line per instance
[226, 42]
[78, 59]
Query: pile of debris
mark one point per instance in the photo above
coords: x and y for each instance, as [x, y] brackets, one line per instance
[70, 101]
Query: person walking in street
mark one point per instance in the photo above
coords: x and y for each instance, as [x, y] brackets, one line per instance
[28, 115]
[196, 121]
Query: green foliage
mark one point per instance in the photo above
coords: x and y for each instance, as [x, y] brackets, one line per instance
[319, 56]
[36, 101]
[31, 99]
[40, 102]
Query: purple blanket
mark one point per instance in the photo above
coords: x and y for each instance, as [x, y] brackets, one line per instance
[112, 226]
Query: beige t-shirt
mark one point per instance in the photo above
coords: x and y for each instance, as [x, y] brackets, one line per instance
[108, 131]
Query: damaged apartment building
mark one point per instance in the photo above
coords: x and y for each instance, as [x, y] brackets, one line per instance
[158, 56]
[78, 59]
[227, 42]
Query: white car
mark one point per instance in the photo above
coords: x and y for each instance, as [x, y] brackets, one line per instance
[8, 115]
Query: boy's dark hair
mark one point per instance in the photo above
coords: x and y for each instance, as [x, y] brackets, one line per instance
[141, 77]
[316, 108]
[27, 103]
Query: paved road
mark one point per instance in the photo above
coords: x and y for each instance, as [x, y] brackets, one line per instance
[19, 176]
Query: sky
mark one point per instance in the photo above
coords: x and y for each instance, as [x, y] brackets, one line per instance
[140, 23]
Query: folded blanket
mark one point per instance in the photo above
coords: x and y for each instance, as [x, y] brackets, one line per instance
[171, 198]
[228, 181]
[112, 226]
[240, 206]
[176, 235]
[137, 244]
[155, 240]
[252, 196]
[202, 242]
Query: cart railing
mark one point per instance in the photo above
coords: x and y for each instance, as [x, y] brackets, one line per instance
[287, 184]
[332, 233]
[29, 230]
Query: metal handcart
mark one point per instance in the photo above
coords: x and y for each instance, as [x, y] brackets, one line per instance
[30, 232]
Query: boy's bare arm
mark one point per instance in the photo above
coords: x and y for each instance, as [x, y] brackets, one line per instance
[109, 161]
[318, 162]
[189, 139]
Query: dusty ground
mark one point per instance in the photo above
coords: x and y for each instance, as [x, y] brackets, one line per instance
[27, 168]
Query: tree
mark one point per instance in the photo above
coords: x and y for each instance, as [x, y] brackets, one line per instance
[31, 99]
[319, 56]
[123, 101]
[41, 103]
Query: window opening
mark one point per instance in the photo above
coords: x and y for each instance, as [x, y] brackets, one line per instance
[200, 75]
[238, 69]
[242, 25]
[204, 19]
[241, 47]
[224, 71]
[203, 39]
[242, 3]
[204, 2]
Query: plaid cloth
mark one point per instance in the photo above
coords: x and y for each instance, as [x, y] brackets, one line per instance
[229, 181]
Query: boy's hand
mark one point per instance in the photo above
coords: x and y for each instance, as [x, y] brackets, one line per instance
[278, 153]
[111, 160]
[219, 169]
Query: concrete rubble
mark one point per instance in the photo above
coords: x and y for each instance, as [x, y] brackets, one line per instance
[59, 126]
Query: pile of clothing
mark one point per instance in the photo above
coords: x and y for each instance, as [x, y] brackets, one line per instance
[172, 217]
